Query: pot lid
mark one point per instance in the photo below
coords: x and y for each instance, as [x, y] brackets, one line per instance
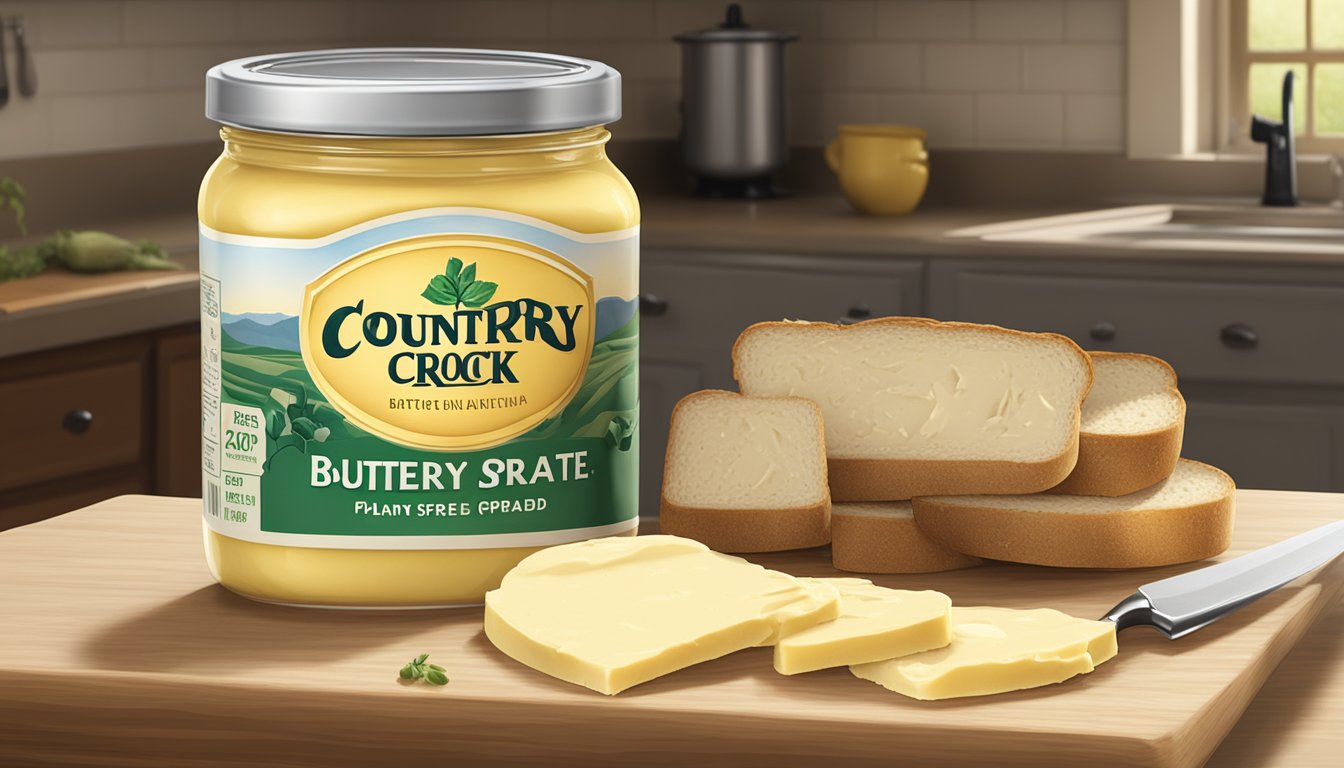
[735, 30]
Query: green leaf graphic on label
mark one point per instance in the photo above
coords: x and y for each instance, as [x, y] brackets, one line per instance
[441, 290]
[458, 286]
[479, 292]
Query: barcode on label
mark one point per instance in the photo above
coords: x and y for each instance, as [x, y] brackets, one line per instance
[212, 499]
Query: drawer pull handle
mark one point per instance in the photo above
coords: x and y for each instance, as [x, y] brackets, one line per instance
[855, 314]
[651, 305]
[1102, 331]
[1239, 336]
[77, 422]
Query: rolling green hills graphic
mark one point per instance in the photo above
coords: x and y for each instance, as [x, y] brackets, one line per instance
[298, 414]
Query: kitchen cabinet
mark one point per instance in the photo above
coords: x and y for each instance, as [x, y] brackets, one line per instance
[695, 303]
[1251, 346]
[90, 421]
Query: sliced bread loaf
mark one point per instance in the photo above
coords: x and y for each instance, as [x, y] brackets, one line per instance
[915, 407]
[1133, 420]
[746, 474]
[882, 537]
[1186, 517]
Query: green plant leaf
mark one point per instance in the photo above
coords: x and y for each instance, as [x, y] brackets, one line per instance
[467, 277]
[421, 659]
[441, 291]
[478, 293]
[453, 270]
[435, 677]
[406, 673]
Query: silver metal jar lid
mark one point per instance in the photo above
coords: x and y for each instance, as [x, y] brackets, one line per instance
[412, 92]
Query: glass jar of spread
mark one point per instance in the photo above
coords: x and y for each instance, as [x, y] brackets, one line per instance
[419, 319]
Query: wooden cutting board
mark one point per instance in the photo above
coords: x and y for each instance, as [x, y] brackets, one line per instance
[117, 648]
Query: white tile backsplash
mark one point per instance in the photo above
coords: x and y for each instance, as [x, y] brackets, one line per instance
[972, 67]
[925, 20]
[1032, 121]
[1073, 68]
[993, 74]
[1020, 20]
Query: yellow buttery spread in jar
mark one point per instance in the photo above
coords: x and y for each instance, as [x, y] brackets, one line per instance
[419, 277]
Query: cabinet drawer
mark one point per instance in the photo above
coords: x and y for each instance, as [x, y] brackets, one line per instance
[1280, 447]
[705, 308]
[1233, 332]
[38, 444]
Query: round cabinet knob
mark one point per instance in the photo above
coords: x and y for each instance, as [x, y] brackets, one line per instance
[1102, 331]
[651, 305]
[77, 422]
[1239, 336]
[855, 314]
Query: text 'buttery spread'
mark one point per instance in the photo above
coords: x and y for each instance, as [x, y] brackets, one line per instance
[419, 277]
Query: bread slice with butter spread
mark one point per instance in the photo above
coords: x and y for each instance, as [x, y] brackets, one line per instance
[746, 474]
[916, 407]
[1184, 518]
[1132, 424]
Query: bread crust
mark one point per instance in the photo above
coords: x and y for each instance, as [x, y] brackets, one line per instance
[901, 479]
[749, 530]
[871, 544]
[872, 479]
[1135, 539]
[1120, 464]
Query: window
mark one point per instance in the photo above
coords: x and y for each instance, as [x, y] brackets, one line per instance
[1268, 38]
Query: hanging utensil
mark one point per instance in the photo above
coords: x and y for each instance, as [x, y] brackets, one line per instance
[27, 76]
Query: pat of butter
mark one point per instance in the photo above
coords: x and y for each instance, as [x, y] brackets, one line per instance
[611, 613]
[875, 623]
[995, 650]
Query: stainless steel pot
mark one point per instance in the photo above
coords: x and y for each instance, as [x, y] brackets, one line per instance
[733, 106]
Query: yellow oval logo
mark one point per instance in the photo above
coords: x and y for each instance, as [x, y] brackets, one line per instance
[449, 342]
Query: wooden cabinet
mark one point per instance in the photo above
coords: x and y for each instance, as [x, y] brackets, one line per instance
[87, 422]
[177, 401]
[1252, 347]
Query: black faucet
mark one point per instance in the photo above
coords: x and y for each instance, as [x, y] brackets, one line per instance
[1280, 151]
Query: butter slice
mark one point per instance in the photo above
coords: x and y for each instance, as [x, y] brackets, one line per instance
[611, 613]
[875, 624]
[995, 650]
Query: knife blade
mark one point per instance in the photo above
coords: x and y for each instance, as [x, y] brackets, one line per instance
[1182, 604]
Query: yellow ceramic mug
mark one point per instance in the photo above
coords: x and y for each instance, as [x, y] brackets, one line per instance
[883, 169]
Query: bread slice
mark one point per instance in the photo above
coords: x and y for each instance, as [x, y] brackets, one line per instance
[915, 407]
[882, 537]
[1132, 424]
[746, 474]
[1186, 517]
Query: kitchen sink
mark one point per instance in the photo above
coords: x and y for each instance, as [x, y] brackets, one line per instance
[1222, 227]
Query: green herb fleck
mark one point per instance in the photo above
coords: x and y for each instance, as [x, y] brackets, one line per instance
[419, 667]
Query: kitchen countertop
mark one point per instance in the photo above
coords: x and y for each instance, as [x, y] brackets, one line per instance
[136, 656]
[59, 308]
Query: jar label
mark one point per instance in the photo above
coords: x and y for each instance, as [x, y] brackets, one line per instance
[441, 379]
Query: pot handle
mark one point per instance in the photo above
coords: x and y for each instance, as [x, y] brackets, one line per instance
[833, 155]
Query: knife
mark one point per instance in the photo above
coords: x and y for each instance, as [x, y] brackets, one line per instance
[1182, 604]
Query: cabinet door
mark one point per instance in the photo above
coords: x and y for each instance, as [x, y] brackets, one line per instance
[661, 385]
[1212, 331]
[178, 414]
[696, 311]
[1265, 446]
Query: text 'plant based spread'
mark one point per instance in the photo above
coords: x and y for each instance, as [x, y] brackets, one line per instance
[419, 277]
